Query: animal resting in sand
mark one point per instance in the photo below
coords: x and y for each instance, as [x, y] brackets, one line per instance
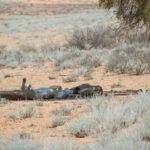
[53, 92]
[56, 92]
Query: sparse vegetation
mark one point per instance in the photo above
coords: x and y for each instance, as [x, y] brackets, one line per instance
[8, 75]
[18, 143]
[145, 129]
[88, 76]
[3, 101]
[129, 59]
[58, 121]
[108, 123]
[112, 118]
[122, 50]
[61, 145]
[22, 112]
[24, 135]
[81, 127]
[64, 110]
[28, 48]
[98, 37]
[59, 113]
[40, 103]
[70, 78]
[104, 118]
[24, 144]
[46, 9]
[116, 85]
[2, 48]
[94, 37]
[74, 58]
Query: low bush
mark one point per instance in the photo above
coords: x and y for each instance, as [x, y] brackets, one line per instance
[81, 127]
[62, 145]
[58, 121]
[23, 112]
[105, 118]
[129, 59]
[98, 37]
[18, 143]
[94, 37]
[63, 110]
[124, 143]
[40, 103]
[145, 129]
[111, 119]
[3, 101]
[70, 78]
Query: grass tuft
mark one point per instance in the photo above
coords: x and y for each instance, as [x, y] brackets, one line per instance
[70, 78]
[64, 110]
[22, 112]
[3, 101]
[81, 127]
[58, 121]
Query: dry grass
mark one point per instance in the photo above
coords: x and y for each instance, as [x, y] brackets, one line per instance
[113, 124]
[70, 78]
[3, 101]
[81, 127]
[43, 9]
[145, 129]
[98, 37]
[22, 112]
[104, 118]
[40, 103]
[121, 50]
[59, 115]
[129, 59]
[58, 121]
[94, 37]
[126, 122]
[17, 143]
[63, 110]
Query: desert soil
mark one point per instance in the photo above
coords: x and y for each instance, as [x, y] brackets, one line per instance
[53, 1]
[38, 76]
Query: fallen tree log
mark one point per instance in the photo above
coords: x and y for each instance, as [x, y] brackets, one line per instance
[17, 95]
[122, 92]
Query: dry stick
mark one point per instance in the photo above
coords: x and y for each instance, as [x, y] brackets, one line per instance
[123, 92]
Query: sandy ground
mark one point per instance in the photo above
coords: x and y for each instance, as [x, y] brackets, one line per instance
[38, 77]
[41, 127]
[53, 1]
[38, 39]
